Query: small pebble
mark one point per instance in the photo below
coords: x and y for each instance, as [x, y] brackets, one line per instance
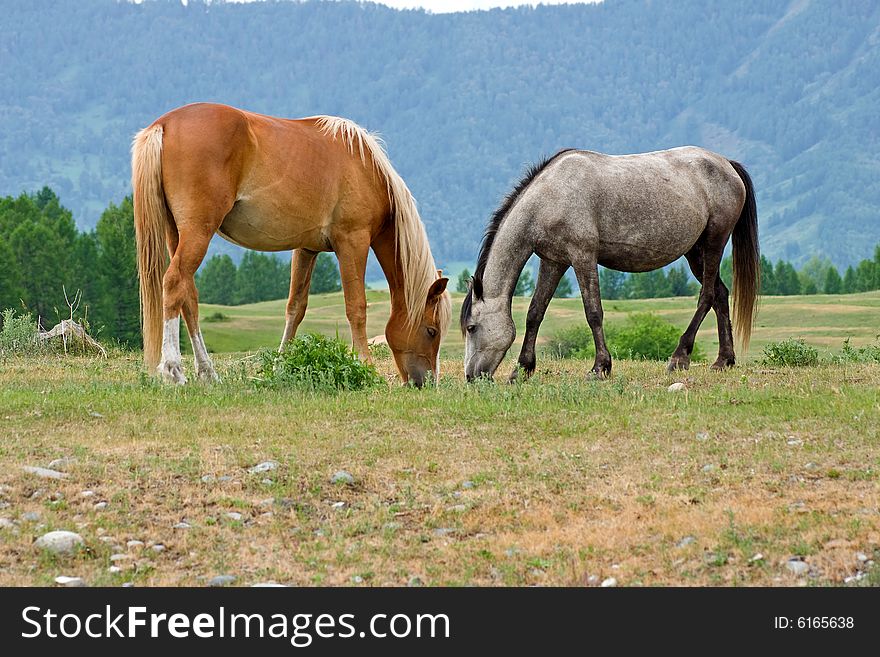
[221, 580]
[234, 515]
[593, 580]
[443, 531]
[708, 467]
[31, 516]
[134, 545]
[119, 557]
[62, 463]
[158, 547]
[687, 540]
[357, 579]
[64, 580]
[267, 482]
[6, 523]
[468, 484]
[338, 505]
[208, 478]
[611, 581]
[861, 556]
[342, 477]
[114, 569]
[457, 508]
[183, 525]
[756, 557]
[265, 466]
[797, 566]
[268, 585]
[675, 387]
[99, 506]
[87, 493]
[415, 582]
[95, 414]
[702, 436]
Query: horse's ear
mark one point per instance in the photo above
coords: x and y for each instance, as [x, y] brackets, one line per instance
[436, 290]
[477, 287]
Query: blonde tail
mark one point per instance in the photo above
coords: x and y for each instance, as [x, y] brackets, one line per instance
[150, 218]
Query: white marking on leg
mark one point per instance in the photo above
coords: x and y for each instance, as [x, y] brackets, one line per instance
[204, 366]
[170, 366]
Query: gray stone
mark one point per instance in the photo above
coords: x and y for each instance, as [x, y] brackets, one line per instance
[675, 387]
[415, 582]
[183, 525]
[31, 516]
[62, 463]
[357, 579]
[702, 436]
[95, 414]
[443, 531]
[44, 473]
[608, 582]
[158, 547]
[342, 477]
[100, 506]
[114, 569]
[221, 580]
[267, 482]
[708, 467]
[265, 466]
[468, 484]
[6, 523]
[797, 566]
[687, 540]
[64, 580]
[59, 542]
[268, 585]
[234, 515]
[338, 505]
[861, 556]
[457, 508]
[119, 557]
[87, 493]
[208, 478]
[134, 545]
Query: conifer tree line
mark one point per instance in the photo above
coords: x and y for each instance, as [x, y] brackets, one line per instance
[42, 254]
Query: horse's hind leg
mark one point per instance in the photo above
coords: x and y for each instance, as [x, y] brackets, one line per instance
[301, 266]
[549, 274]
[707, 252]
[181, 297]
[587, 272]
[721, 306]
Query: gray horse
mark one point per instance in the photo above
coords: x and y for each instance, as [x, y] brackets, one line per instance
[633, 213]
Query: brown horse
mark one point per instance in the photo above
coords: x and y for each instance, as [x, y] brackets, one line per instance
[314, 184]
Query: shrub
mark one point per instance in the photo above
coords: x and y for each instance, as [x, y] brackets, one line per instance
[19, 334]
[316, 362]
[645, 336]
[793, 352]
[216, 317]
[849, 354]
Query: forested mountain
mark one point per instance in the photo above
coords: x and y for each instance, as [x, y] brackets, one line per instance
[465, 100]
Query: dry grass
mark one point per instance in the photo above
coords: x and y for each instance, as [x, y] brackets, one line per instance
[568, 478]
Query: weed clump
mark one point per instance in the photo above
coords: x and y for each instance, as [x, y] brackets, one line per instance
[792, 352]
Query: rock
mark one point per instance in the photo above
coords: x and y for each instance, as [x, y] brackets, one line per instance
[797, 566]
[794, 442]
[861, 556]
[95, 414]
[87, 493]
[59, 542]
[45, 473]
[207, 479]
[221, 580]
[392, 526]
[443, 531]
[6, 523]
[687, 540]
[234, 515]
[338, 505]
[357, 579]
[119, 557]
[702, 436]
[265, 466]
[127, 585]
[132, 545]
[457, 508]
[608, 583]
[708, 467]
[593, 580]
[415, 582]
[62, 463]
[267, 481]
[756, 557]
[100, 506]
[342, 477]
[183, 525]
[114, 569]
[468, 484]
[158, 547]
[31, 516]
[224, 479]
[64, 580]
[675, 387]
[269, 501]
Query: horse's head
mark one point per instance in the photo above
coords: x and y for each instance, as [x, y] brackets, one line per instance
[488, 331]
[416, 345]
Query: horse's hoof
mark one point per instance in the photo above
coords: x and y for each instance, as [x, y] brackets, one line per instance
[172, 372]
[599, 374]
[208, 375]
[722, 364]
[678, 363]
[520, 373]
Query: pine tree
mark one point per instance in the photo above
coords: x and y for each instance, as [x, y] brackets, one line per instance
[768, 277]
[117, 268]
[850, 283]
[564, 290]
[525, 285]
[325, 277]
[261, 277]
[11, 289]
[611, 283]
[787, 281]
[680, 283]
[217, 280]
[833, 283]
[463, 281]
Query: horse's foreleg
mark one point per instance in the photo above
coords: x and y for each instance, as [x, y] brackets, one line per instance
[181, 297]
[549, 274]
[587, 273]
[302, 263]
[352, 255]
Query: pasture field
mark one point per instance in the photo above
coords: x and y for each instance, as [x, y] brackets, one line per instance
[560, 480]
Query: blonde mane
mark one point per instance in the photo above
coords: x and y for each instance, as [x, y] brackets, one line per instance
[416, 261]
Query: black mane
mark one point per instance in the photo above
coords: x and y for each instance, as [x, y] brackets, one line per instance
[495, 223]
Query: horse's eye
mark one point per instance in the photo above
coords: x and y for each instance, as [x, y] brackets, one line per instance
[432, 332]
[471, 328]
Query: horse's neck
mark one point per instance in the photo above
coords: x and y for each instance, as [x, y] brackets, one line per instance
[510, 251]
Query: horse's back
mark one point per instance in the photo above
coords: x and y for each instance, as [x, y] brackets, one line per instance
[641, 211]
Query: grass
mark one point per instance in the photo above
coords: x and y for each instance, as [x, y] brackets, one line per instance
[823, 321]
[548, 482]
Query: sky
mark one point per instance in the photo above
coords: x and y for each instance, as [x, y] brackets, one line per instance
[444, 6]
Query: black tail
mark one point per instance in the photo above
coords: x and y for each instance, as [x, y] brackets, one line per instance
[746, 262]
